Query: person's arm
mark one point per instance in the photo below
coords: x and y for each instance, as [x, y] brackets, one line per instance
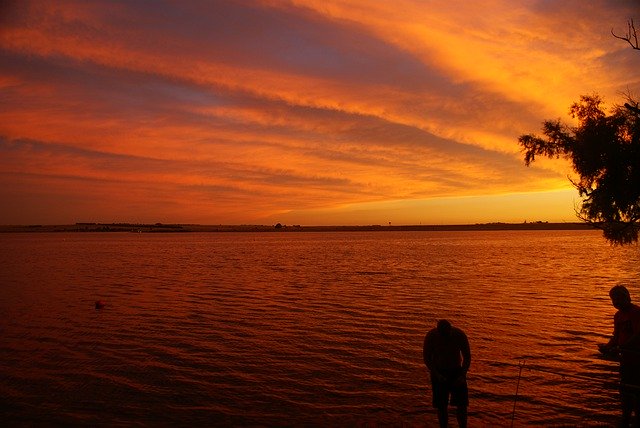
[466, 354]
[611, 345]
[613, 341]
[427, 355]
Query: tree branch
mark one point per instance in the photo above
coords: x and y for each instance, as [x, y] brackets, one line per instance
[631, 36]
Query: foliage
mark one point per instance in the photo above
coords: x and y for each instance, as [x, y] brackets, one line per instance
[605, 152]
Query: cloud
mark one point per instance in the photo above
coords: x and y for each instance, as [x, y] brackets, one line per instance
[229, 111]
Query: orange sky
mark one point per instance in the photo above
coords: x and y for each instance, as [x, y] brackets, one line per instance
[308, 112]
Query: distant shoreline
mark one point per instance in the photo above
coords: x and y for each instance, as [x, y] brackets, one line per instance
[187, 228]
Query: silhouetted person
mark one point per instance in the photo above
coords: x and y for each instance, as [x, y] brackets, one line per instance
[448, 357]
[626, 342]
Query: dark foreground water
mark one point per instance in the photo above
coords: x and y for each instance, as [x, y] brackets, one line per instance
[311, 329]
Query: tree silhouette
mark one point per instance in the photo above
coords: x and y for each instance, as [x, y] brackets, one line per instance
[605, 152]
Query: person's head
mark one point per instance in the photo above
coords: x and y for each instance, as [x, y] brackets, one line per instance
[620, 297]
[444, 328]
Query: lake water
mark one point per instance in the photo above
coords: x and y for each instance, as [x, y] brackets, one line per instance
[311, 329]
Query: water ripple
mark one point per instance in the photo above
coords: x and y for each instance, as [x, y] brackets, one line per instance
[311, 329]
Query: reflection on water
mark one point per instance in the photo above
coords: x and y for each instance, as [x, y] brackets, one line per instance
[304, 328]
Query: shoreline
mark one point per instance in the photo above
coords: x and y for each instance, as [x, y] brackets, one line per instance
[189, 228]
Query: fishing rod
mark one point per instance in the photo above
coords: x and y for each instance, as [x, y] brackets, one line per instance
[564, 374]
[521, 365]
[515, 398]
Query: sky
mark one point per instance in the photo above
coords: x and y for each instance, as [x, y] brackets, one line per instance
[306, 112]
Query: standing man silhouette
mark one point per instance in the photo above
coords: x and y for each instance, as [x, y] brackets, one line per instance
[447, 355]
[626, 342]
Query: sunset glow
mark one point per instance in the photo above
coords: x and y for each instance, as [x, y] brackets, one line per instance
[309, 112]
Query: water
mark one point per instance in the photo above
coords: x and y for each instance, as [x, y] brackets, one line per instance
[311, 329]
